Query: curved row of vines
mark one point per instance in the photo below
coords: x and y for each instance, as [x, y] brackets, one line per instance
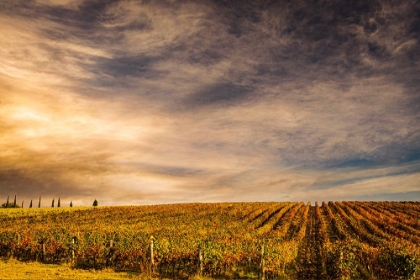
[334, 240]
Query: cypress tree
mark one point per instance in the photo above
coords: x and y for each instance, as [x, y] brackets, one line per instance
[39, 203]
[14, 202]
[52, 204]
[95, 203]
[58, 203]
[7, 202]
[22, 203]
[71, 203]
[30, 205]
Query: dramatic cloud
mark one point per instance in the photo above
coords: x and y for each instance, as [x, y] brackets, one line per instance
[134, 102]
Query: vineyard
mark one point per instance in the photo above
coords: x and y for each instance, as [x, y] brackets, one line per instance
[282, 240]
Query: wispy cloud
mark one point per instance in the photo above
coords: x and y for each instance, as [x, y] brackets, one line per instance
[172, 101]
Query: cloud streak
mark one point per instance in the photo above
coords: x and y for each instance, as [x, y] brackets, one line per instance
[171, 101]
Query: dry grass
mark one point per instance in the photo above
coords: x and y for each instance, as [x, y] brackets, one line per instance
[13, 269]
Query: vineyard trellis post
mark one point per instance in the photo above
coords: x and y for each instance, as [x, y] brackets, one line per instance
[110, 253]
[17, 241]
[152, 261]
[43, 251]
[262, 263]
[200, 260]
[72, 250]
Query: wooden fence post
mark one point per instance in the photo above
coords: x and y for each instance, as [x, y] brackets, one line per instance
[110, 253]
[43, 251]
[17, 242]
[152, 260]
[72, 250]
[200, 261]
[262, 263]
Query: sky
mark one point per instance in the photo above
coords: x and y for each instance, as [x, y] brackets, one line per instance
[163, 101]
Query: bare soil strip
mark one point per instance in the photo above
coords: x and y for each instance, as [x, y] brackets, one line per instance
[309, 258]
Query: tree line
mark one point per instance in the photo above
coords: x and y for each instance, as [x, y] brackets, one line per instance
[14, 204]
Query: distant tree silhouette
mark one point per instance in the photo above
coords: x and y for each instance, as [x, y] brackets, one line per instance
[14, 202]
[52, 203]
[22, 203]
[39, 202]
[58, 203]
[95, 203]
[7, 202]
[30, 205]
[71, 203]
[9, 205]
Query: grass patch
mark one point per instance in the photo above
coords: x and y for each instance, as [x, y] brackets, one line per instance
[13, 269]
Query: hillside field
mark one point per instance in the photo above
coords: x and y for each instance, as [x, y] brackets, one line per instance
[271, 240]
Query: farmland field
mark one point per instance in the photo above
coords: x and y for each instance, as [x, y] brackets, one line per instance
[274, 240]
